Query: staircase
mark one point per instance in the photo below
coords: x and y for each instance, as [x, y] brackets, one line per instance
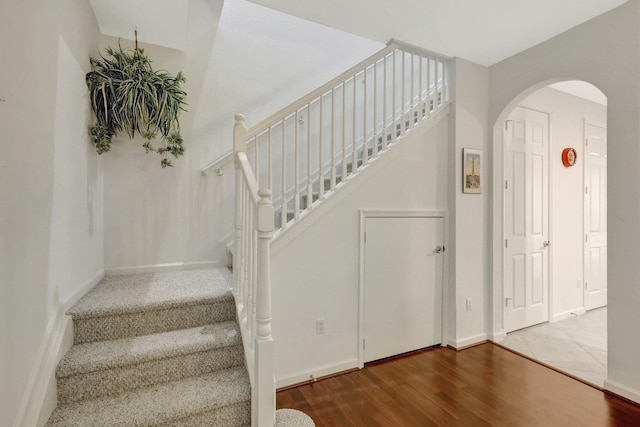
[155, 349]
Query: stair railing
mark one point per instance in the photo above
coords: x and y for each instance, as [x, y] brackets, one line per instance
[254, 223]
[305, 151]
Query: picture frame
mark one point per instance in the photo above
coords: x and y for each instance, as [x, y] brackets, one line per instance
[471, 171]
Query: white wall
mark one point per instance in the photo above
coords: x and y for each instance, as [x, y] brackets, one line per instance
[316, 274]
[568, 114]
[51, 245]
[468, 229]
[605, 52]
[255, 61]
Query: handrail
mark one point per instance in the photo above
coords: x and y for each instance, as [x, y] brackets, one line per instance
[252, 184]
[256, 129]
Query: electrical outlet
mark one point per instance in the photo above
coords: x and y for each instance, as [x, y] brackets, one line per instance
[469, 306]
[320, 326]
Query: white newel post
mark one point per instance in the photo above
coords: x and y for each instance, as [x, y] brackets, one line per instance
[239, 145]
[264, 392]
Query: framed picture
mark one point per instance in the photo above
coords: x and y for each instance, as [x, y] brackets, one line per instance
[471, 171]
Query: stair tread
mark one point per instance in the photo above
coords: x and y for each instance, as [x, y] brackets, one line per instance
[160, 404]
[101, 355]
[142, 292]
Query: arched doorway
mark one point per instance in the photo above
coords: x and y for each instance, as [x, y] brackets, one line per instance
[553, 227]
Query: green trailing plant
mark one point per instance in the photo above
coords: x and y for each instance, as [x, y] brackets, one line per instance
[128, 95]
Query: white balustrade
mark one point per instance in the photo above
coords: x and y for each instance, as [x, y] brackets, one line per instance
[252, 280]
[365, 110]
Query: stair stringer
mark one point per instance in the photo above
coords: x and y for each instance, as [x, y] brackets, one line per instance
[315, 263]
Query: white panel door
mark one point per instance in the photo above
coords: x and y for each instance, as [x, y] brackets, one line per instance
[402, 285]
[526, 261]
[595, 217]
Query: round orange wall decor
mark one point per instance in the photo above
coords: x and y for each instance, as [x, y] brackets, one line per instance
[569, 157]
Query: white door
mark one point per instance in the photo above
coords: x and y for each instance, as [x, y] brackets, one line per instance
[595, 217]
[526, 260]
[402, 285]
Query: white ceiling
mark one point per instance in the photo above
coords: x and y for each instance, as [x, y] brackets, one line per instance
[482, 31]
[581, 89]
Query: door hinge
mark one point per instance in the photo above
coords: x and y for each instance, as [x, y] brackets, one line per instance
[363, 343]
[506, 243]
[586, 142]
[586, 285]
[586, 190]
[506, 124]
[586, 237]
[506, 302]
[365, 237]
[506, 185]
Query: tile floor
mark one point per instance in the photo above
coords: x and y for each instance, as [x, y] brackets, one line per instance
[577, 345]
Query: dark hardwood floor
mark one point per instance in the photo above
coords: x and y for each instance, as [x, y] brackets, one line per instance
[480, 386]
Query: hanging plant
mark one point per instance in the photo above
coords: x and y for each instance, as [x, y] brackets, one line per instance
[128, 95]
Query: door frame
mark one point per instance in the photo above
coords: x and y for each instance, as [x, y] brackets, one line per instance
[499, 206]
[398, 213]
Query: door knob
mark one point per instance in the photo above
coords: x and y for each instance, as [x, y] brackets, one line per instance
[546, 244]
[439, 249]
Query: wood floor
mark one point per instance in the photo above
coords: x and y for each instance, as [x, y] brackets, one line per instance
[480, 386]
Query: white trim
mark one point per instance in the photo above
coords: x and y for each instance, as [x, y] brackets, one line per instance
[39, 398]
[160, 268]
[318, 372]
[393, 213]
[622, 390]
[470, 340]
[567, 314]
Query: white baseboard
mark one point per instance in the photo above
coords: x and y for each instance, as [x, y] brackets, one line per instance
[622, 390]
[160, 268]
[39, 398]
[566, 314]
[318, 372]
[470, 340]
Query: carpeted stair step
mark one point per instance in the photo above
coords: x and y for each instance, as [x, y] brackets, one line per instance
[221, 398]
[142, 304]
[97, 369]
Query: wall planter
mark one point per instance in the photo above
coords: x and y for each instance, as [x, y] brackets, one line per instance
[127, 95]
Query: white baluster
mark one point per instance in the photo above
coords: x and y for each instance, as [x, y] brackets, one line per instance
[365, 145]
[344, 131]
[257, 163]
[384, 105]
[321, 172]
[296, 208]
[270, 162]
[332, 185]
[309, 167]
[393, 104]
[239, 145]
[412, 99]
[404, 89]
[354, 166]
[420, 115]
[283, 209]
[428, 100]
[437, 94]
[375, 109]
